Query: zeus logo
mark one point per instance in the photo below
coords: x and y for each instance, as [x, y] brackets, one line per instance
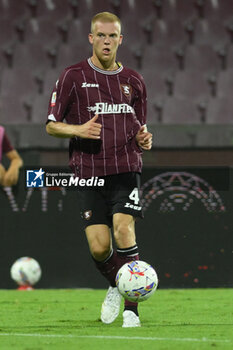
[88, 85]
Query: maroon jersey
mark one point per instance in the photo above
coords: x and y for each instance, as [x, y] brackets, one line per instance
[119, 98]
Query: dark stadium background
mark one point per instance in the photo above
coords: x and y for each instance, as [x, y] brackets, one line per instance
[190, 248]
[184, 50]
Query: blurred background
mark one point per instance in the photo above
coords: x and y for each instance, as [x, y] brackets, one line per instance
[184, 50]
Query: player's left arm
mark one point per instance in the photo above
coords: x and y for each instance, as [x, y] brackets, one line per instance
[11, 175]
[143, 136]
[2, 173]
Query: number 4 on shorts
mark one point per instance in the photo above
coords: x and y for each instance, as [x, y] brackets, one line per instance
[134, 196]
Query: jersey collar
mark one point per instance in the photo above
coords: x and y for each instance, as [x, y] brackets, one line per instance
[108, 72]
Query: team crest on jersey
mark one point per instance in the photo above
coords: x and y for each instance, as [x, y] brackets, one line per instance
[87, 214]
[126, 89]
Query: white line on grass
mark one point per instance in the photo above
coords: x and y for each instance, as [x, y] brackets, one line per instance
[202, 340]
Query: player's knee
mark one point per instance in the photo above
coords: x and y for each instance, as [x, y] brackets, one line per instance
[122, 229]
[123, 224]
[99, 252]
[124, 234]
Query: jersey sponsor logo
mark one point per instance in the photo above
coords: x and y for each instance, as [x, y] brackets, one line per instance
[89, 85]
[53, 99]
[107, 108]
[126, 89]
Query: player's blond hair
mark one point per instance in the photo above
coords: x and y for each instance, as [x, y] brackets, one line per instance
[105, 17]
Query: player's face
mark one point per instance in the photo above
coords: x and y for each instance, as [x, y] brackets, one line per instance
[105, 40]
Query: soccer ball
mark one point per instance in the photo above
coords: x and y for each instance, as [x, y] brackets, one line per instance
[26, 271]
[136, 280]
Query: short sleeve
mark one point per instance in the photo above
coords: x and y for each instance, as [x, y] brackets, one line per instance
[140, 104]
[60, 98]
[6, 144]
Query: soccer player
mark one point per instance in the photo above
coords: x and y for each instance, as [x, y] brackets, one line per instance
[9, 177]
[103, 104]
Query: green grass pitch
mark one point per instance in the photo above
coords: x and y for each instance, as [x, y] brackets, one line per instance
[69, 319]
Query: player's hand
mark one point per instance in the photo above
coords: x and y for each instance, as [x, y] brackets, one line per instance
[144, 139]
[90, 130]
[11, 177]
[2, 173]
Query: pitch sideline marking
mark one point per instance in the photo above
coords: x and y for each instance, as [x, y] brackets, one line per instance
[114, 337]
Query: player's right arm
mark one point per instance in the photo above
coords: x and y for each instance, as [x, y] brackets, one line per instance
[62, 99]
[89, 130]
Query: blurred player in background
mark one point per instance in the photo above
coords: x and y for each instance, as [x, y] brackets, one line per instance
[103, 104]
[9, 177]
